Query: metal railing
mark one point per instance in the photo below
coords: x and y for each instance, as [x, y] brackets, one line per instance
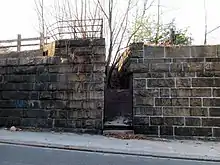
[75, 29]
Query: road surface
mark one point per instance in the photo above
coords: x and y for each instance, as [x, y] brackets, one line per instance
[21, 155]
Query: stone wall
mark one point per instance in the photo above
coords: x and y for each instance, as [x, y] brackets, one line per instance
[55, 92]
[176, 90]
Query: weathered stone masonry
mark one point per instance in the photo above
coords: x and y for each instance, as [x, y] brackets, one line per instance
[61, 92]
[176, 90]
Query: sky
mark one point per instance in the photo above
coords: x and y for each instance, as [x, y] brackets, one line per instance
[19, 17]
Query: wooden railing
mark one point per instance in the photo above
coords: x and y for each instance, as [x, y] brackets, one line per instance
[18, 43]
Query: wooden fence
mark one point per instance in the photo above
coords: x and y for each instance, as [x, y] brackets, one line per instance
[18, 43]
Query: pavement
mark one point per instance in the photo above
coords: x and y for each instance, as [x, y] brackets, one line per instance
[23, 155]
[171, 149]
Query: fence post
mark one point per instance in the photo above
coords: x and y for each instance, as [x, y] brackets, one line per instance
[19, 43]
[41, 41]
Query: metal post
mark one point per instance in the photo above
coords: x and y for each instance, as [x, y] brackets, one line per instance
[19, 43]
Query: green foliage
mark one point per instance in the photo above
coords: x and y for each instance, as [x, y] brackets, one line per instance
[147, 30]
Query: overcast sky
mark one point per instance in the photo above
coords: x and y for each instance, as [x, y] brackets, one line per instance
[19, 16]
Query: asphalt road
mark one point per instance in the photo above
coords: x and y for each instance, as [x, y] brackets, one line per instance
[21, 155]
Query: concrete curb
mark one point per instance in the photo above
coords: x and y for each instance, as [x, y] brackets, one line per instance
[111, 151]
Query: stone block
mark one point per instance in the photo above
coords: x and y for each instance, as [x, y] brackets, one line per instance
[177, 52]
[156, 121]
[139, 68]
[180, 74]
[160, 83]
[174, 111]
[201, 92]
[37, 114]
[188, 60]
[14, 95]
[60, 69]
[204, 51]
[195, 102]
[215, 112]
[183, 82]
[165, 92]
[211, 102]
[159, 67]
[139, 83]
[193, 121]
[181, 92]
[141, 120]
[41, 86]
[216, 92]
[213, 122]
[176, 67]
[180, 102]
[29, 78]
[154, 52]
[3, 61]
[148, 130]
[10, 113]
[147, 111]
[216, 132]
[198, 111]
[146, 93]
[13, 78]
[203, 82]
[193, 131]
[12, 61]
[163, 102]
[10, 121]
[45, 95]
[45, 77]
[143, 101]
[148, 75]
[193, 67]
[171, 121]
[166, 130]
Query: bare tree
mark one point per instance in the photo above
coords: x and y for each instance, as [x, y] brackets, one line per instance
[116, 14]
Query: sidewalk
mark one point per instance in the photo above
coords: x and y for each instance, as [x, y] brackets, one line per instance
[193, 150]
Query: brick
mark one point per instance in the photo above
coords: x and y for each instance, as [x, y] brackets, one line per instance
[43, 78]
[193, 131]
[212, 59]
[160, 67]
[213, 122]
[156, 121]
[13, 78]
[180, 101]
[214, 112]
[160, 82]
[45, 95]
[183, 82]
[13, 95]
[139, 83]
[154, 52]
[216, 132]
[148, 130]
[165, 130]
[3, 62]
[204, 51]
[139, 68]
[170, 121]
[141, 120]
[195, 102]
[164, 92]
[177, 52]
[211, 102]
[208, 74]
[60, 69]
[193, 121]
[147, 111]
[29, 78]
[163, 102]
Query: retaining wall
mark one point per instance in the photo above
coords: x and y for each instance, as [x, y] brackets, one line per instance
[55, 92]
